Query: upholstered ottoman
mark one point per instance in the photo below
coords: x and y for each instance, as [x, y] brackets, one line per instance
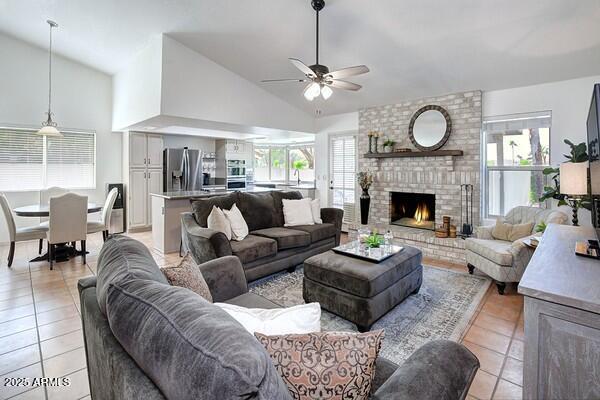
[362, 291]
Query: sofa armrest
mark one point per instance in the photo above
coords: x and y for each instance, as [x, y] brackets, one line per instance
[85, 283]
[438, 370]
[204, 244]
[484, 232]
[334, 216]
[225, 278]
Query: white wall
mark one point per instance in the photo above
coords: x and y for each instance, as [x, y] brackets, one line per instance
[137, 89]
[207, 145]
[326, 126]
[82, 98]
[195, 87]
[569, 102]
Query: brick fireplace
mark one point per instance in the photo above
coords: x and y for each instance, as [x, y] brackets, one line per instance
[439, 177]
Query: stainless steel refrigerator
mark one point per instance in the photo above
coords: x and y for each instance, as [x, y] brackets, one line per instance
[182, 169]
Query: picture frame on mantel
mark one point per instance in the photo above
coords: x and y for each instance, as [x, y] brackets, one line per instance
[426, 129]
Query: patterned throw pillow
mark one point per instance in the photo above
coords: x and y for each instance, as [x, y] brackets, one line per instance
[325, 365]
[187, 274]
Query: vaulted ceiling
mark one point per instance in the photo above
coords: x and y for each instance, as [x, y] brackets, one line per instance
[413, 48]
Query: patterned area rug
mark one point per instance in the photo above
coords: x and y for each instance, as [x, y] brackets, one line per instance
[441, 310]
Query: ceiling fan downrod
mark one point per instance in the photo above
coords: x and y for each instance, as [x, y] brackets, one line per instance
[319, 69]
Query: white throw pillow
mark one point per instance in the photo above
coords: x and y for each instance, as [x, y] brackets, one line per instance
[218, 221]
[297, 212]
[239, 228]
[305, 318]
[315, 206]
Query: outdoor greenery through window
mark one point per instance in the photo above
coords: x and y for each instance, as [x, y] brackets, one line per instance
[275, 163]
[32, 162]
[517, 149]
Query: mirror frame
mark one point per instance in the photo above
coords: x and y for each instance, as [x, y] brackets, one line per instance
[444, 139]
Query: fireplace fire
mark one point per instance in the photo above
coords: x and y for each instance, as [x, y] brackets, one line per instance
[414, 210]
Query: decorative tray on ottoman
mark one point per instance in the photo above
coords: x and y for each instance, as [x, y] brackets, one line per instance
[357, 249]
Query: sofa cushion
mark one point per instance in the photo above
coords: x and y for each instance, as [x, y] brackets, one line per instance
[190, 348]
[187, 274]
[277, 197]
[258, 209]
[286, 238]
[253, 247]
[203, 207]
[497, 251]
[318, 232]
[121, 259]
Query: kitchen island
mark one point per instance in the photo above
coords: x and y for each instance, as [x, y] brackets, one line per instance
[166, 210]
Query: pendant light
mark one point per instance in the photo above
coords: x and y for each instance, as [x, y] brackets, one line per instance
[49, 126]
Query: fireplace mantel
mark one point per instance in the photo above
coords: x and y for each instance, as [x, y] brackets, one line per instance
[433, 153]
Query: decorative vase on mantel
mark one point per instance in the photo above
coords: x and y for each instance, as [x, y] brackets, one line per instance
[365, 202]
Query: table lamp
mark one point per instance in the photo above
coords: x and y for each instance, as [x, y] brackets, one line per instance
[574, 185]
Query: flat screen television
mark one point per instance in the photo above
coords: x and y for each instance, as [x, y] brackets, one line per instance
[593, 134]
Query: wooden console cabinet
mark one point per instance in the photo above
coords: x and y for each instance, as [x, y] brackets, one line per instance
[562, 318]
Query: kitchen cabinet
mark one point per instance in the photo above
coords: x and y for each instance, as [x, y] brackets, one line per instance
[138, 194]
[155, 185]
[143, 175]
[233, 149]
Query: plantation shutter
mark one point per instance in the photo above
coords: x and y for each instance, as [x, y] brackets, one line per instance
[71, 160]
[21, 160]
[343, 175]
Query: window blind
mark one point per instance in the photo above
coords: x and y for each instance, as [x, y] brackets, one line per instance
[518, 122]
[21, 160]
[343, 175]
[32, 162]
[71, 160]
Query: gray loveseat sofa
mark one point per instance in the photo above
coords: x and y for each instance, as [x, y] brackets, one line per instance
[270, 247]
[145, 339]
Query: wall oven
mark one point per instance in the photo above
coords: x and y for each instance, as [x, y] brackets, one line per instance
[236, 183]
[236, 169]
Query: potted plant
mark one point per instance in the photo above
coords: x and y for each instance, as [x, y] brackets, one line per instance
[298, 166]
[365, 180]
[388, 145]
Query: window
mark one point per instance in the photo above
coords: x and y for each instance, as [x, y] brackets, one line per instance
[343, 175]
[32, 162]
[517, 149]
[302, 161]
[277, 163]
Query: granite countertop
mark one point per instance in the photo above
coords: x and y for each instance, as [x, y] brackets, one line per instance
[181, 195]
[289, 185]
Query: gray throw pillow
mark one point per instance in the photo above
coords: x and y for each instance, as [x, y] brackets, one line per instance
[122, 259]
[191, 349]
[187, 274]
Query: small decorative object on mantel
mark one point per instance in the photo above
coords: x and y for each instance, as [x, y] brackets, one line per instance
[370, 134]
[402, 150]
[388, 145]
[365, 180]
[376, 137]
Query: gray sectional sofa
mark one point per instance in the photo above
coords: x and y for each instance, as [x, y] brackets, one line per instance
[145, 339]
[270, 247]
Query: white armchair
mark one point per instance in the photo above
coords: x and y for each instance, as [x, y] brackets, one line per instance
[502, 260]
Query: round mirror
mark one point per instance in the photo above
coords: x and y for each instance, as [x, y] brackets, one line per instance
[430, 128]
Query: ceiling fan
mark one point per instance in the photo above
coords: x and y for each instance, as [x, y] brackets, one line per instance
[320, 79]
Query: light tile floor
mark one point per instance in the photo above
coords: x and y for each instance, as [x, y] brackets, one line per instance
[40, 327]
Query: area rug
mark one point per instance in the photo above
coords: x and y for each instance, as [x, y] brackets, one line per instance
[441, 310]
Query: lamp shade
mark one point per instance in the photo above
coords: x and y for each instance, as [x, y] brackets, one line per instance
[573, 179]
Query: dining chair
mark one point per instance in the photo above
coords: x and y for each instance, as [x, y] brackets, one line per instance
[68, 222]
[104, 223]
[45, 195]
[18, 234]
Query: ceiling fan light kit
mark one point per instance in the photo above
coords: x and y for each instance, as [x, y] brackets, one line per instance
[320, 79]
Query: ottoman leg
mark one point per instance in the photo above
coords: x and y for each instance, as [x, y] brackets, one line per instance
[291, 269]
[471, 268]
[501, 286]
[416, 291]
[363, 328]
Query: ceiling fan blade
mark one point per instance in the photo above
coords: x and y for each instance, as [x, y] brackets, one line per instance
[303, 67]
[283, 80]
[343, 85]
[346, 72]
